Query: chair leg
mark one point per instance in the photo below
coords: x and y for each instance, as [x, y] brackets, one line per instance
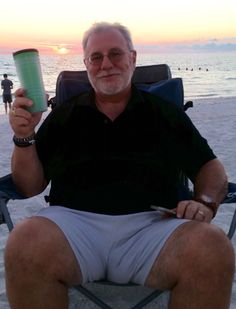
[232, 226]
[103, 305]
[147, 299]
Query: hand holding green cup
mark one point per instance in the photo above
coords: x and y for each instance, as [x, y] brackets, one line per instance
[30, 75]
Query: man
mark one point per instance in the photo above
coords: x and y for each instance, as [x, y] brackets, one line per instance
[6, 85]
[109, 155]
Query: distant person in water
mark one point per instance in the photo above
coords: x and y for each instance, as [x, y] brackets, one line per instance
[6, 85]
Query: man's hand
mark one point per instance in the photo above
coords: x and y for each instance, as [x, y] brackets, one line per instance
[23, 123]
[194, 211]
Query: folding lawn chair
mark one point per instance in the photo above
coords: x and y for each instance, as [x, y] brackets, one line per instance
[155, 79]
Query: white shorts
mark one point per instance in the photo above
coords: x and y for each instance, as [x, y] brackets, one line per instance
[119, 248]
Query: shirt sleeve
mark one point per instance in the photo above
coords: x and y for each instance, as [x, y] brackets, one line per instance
[192, 149]
[184, 146]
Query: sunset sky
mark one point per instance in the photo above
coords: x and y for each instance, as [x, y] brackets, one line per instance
[58, 26]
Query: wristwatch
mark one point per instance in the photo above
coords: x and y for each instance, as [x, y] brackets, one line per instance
[207, 201]
[25, 141]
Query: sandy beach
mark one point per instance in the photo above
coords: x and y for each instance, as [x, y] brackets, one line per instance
[215, 119]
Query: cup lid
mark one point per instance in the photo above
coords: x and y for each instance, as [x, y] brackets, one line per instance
[25, 51]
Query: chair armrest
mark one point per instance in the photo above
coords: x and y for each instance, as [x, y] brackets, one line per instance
[231, 195]
[8, 189]
[8, 192]
[231, 198]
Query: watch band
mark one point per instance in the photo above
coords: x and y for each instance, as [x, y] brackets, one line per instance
[25, 141]
[211, 205]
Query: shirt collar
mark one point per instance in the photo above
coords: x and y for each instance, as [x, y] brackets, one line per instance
[136, 98]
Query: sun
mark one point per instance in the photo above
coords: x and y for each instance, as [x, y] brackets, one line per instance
[62, 50]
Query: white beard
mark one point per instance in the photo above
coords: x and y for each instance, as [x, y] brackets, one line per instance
[112, 87]
[120, 83]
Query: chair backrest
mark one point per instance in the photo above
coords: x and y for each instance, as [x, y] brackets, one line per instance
[143, 74]
[71, 83]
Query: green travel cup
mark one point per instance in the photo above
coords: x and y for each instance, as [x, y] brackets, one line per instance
[30, 75]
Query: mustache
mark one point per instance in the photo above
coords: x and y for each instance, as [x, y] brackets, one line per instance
[106, 73]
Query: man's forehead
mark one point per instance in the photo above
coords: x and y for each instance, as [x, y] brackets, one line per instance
[106, 39]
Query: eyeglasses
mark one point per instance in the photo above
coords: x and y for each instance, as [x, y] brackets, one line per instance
[114, 55]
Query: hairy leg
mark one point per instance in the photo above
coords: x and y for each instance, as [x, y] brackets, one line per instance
[197, 265]
[40, 266]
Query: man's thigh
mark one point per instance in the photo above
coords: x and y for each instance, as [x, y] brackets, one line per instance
[119, 248]
[85, 236]
[141, 241]
[190, 244]
[37, 241]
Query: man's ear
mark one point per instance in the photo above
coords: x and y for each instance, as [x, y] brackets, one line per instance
[134, 56]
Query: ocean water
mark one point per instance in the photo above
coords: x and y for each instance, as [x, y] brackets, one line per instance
[204, 74]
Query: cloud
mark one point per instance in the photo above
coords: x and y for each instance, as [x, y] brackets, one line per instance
[215, 47]
[211, 45]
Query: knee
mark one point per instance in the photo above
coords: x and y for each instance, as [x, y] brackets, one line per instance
[25, 244]
[38, 247]
[209, 246]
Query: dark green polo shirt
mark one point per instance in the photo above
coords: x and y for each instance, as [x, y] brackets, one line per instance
[121, 166]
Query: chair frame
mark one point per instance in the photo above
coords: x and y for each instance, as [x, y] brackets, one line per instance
[145, 74]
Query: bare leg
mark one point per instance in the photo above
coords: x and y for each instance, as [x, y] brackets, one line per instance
[5, 105]
[40, 266]
[9, 106]
[197, 265]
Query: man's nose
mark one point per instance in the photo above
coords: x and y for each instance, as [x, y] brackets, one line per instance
[106, 62]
